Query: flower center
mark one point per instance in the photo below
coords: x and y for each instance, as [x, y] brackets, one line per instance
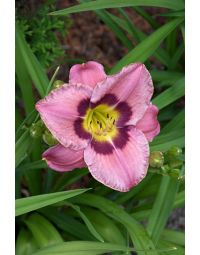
[101, 122]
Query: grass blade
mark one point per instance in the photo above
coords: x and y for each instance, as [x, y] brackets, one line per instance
[82, 248]
[21, 147]
[170, 95]
[139, 36]
[36, 72]
[176, 123]
[147, 47]
[104, 4]
[104, 15]
[138, 234]
[25, 243]
[87, 222]
[173, 236]
[67, 223]
[24, 205]
[162, 207]
[42, 230]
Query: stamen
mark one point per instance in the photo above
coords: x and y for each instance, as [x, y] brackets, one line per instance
[100, 122]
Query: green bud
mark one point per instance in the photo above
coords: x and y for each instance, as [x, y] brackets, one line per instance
[40, 123]
[57, 84]
[49, 139]
[37, 129]
[174, 152]
[181, 178]
[174, 173]
[165, 169]
[156, 159]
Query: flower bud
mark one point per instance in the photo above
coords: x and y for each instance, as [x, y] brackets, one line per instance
[57, 84]
[174, 173]
[174, 152]
[164, 169]
[156, 159]
[49, 139]
[37, 129]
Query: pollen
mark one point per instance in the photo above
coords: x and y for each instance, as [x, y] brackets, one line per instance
[101, 122]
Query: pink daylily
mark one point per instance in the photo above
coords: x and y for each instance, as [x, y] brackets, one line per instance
[102, 122]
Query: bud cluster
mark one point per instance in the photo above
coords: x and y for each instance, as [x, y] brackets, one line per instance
[168, 163]
[38, 130]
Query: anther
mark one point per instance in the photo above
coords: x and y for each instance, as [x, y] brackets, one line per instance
[107, 115]
[113, 122]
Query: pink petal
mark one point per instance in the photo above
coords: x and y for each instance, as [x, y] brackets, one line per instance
[61, 109]
[63, 159]
[149, 124]
[132, 85]
[89, 74]
[122, 168]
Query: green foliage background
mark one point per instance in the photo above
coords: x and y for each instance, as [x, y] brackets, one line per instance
[54, 219]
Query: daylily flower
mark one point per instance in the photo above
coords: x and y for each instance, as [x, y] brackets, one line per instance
[102, 122]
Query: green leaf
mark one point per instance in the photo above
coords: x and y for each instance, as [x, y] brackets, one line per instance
[34, 68]
[87, 222]
[18, 118]
[24, 82]
[149, 190]
[25, 244]
[183, 31]
[148, 46]
[67, 223]
[146, 16]
[68, 178]
[127, 25]
[165, 141]
[178, 54]
[173, 236]
[178, 250]
[103, 4]
[162, 207]
[160, 139]
[138, 234]
[176, 123]
[42, 230]
[139, 36]
[81, 248]
[28, 120]
[180, 199]
[21, 147]
[169, 77]
[104, 15]
[141, 215]
[178, 13]
[170, 95]
[105, 226]
[39, 164]
[24, 205]
[167, 145]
